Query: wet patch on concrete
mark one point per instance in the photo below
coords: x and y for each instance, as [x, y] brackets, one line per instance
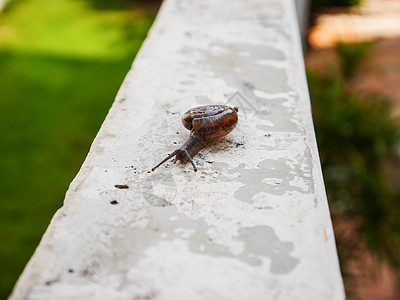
[236, 69]
[212, 10]
[166, 224]
[262, 241]
[257, 52]
[262, 93]
[275, 177]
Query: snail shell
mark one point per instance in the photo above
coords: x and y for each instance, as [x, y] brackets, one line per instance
[206, 123]
[211, 121]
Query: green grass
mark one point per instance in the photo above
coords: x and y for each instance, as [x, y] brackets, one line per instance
[61, 64]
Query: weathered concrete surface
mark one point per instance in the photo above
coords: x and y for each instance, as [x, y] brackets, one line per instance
[252, 223]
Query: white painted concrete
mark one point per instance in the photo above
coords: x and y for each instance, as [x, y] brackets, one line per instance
[252, 223]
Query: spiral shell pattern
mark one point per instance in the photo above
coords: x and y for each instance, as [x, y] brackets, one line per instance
[211, 121]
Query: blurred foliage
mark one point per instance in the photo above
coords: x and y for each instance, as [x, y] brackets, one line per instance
[317, 5]
[61, 65]
[351, 56]
[358, 137]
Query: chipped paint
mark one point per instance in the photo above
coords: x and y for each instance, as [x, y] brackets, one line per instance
[252, 223]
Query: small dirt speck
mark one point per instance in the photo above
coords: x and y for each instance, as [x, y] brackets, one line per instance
[239, 144]
[70, 270]
[121, 186]
[114, 202]
[50, 282]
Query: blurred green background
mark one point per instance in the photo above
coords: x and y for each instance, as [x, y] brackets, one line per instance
[61, 65]
[359, 141]
[358, 138]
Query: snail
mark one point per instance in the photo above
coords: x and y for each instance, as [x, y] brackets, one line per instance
[206, 124]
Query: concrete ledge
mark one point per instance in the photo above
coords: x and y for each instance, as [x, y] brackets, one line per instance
[252, 223]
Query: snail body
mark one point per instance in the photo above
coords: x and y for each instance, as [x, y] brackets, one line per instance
[206, 124]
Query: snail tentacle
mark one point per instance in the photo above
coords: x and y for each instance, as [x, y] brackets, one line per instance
[178, 153]
[190, 159]
[168, 157]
